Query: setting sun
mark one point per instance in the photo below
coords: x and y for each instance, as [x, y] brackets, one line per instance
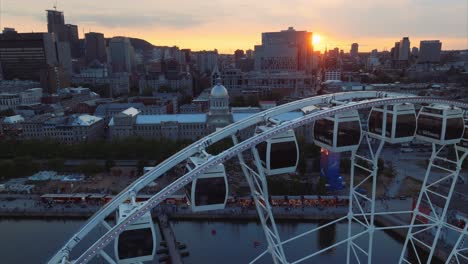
[315, 39]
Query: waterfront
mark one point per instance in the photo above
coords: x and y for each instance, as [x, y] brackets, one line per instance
[33, 241]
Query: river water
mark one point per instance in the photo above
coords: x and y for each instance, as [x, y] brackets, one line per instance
[34, 241]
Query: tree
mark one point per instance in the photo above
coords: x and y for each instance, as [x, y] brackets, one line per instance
[345, 164]
[89, 168]
[7, 112]
[252, 101]
[165, 89]
[7, 167]
[56, 164]
[321, 187]
[24, 166]
[147, 91]
[109, 165]
[140, 167]
[238, 101]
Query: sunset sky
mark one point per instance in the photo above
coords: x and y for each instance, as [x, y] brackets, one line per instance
[229, 25]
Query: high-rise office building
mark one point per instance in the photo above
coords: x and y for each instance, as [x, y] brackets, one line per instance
[71, 35]
[23, 55]
[95, 47]
[395, 51]
[287, 50]
[415, 51]
[64, 56]
[33, 56]
[63, 32]
[354, 50]
[238, 55]
[249, 53]
[56, 24]
[121, 54]
[404, 49]
[429, 51]
[206, 60]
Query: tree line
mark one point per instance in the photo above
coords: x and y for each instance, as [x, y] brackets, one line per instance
[129, 148]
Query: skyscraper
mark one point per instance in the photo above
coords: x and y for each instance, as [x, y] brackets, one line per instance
[23, 55]
[238, 54]
[287, 50]
[121, 54]
[429, 51]
[354, 50]
[33, 56]
[71, 35]
[95, 47]
[63, 32]
[56, 24]
[395, 51]
[206, 60]
[404, 52]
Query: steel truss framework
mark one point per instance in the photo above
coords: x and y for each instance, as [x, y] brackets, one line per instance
[432, 190]
[361, 208]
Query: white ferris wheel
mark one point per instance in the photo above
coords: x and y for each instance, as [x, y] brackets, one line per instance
[272, 149]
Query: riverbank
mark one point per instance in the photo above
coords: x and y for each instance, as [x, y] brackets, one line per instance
[31, 208]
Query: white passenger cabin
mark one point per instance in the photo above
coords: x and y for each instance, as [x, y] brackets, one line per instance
[338, 133]
[279, 154]
[399, 125]
[440, 124]
[138, 242]
[208, 191]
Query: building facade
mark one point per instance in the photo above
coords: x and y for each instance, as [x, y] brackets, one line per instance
[429, 51]
[354, 50]
[189, 126]
[13, 100]
[287, 50]
[95, 46]
[205, 60]
[65, 129]
[121, 54]
[24, 55]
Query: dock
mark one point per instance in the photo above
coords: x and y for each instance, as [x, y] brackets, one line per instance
[168, 235]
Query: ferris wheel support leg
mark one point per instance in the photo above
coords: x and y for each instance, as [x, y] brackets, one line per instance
[375, 168]
[427, 191]
[350, 208]
[259, 190]
[356, 197]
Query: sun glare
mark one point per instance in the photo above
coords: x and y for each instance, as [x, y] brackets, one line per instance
[316, 39]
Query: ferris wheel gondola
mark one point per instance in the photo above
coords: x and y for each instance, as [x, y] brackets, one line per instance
[279, 154]
[399, 125]
[138, 242]
[210, 190]
[440, 124]
[339, 133]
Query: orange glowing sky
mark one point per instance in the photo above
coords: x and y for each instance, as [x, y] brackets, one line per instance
[229, 25]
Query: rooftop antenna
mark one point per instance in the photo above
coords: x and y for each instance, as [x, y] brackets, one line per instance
[55, 5]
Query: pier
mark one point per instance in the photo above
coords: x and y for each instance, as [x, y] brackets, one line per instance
[168, 235]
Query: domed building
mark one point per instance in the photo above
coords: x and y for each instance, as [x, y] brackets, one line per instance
[219, 114]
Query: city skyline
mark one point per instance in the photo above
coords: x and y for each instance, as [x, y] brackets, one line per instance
[228, 26]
